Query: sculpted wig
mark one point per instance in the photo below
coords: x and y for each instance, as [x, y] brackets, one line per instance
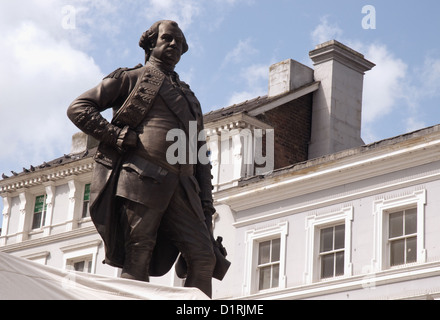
[149, 38]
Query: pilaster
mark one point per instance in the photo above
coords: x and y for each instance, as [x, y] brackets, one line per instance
[25, 209]
[50, 200]
[6, 214]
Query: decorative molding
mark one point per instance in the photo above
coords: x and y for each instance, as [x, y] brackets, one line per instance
[253, 237]
[50, 174]
[296, 94]
[313, 224]
[334, 50]
[341, 198]
[40, 257]
[80, 246]
[380, 209]
[367, 281]
[81, 250]
[236, 121]
[53, 238]
[326, 172]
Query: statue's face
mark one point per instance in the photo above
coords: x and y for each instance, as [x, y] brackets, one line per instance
[169, 44]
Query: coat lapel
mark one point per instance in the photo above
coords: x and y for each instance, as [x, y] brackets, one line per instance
[178, 103]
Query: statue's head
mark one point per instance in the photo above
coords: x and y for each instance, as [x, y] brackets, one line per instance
[164, 41]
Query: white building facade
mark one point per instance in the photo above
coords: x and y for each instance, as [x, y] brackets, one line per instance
[306, 210]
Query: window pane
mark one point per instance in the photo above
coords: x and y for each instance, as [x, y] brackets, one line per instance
[87, 192]
[79, 266]
[340, 237]
[327, 266]
[396, 225]
[411, 249]
[397, 252]
[39, 204]
[275, 275]
[86, 210]
[265, 278]
[264, 252]
[275, 250]
[36, 222]
[326, 240]
[339, 264]
[411, 221]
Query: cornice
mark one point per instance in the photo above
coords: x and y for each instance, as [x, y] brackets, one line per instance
[50, 174]
[358, 282]
[236, 121]
[283, 99]
[331, 171]
[334, 50]
[44, 241]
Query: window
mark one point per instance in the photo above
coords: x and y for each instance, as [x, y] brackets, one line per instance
[332, 251]
[328, 245]
[403, 237]
[83, 264]
[40, 210]
[265, 260]
[399, 230]
[269, 264]
[81, 256]
[86, 202]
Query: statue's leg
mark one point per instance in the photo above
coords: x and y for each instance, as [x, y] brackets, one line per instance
[140, 239]
[191, 236]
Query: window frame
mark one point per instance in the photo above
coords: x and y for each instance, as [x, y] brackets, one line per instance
[382, 210]
[271, 263]
[88, 263]
[253, 239]
[86, 202]
[81, 251]
[314, 224]
[333, 251]
[403, 237]
[43, 213]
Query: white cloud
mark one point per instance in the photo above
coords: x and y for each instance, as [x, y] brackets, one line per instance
[413, 124]
[325, 31]
[384, 84]
[256, 78]
[183, 12]
[392, 86]
[240, 53]
[430, 76]
[42, 74]
[255, 74]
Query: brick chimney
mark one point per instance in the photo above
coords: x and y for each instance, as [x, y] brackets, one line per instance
[337, 104]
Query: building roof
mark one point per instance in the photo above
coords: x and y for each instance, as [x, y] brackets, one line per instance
[235, 109]
[338, 169]
[58, 168]
[256, 106]
[409, 137]
[65, 159]
[249, 107]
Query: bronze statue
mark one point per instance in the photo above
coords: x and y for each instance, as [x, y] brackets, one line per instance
[146, 209]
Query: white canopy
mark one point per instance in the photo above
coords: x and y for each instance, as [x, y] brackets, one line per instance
[22, 279]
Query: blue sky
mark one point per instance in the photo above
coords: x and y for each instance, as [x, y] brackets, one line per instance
[53, 50]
